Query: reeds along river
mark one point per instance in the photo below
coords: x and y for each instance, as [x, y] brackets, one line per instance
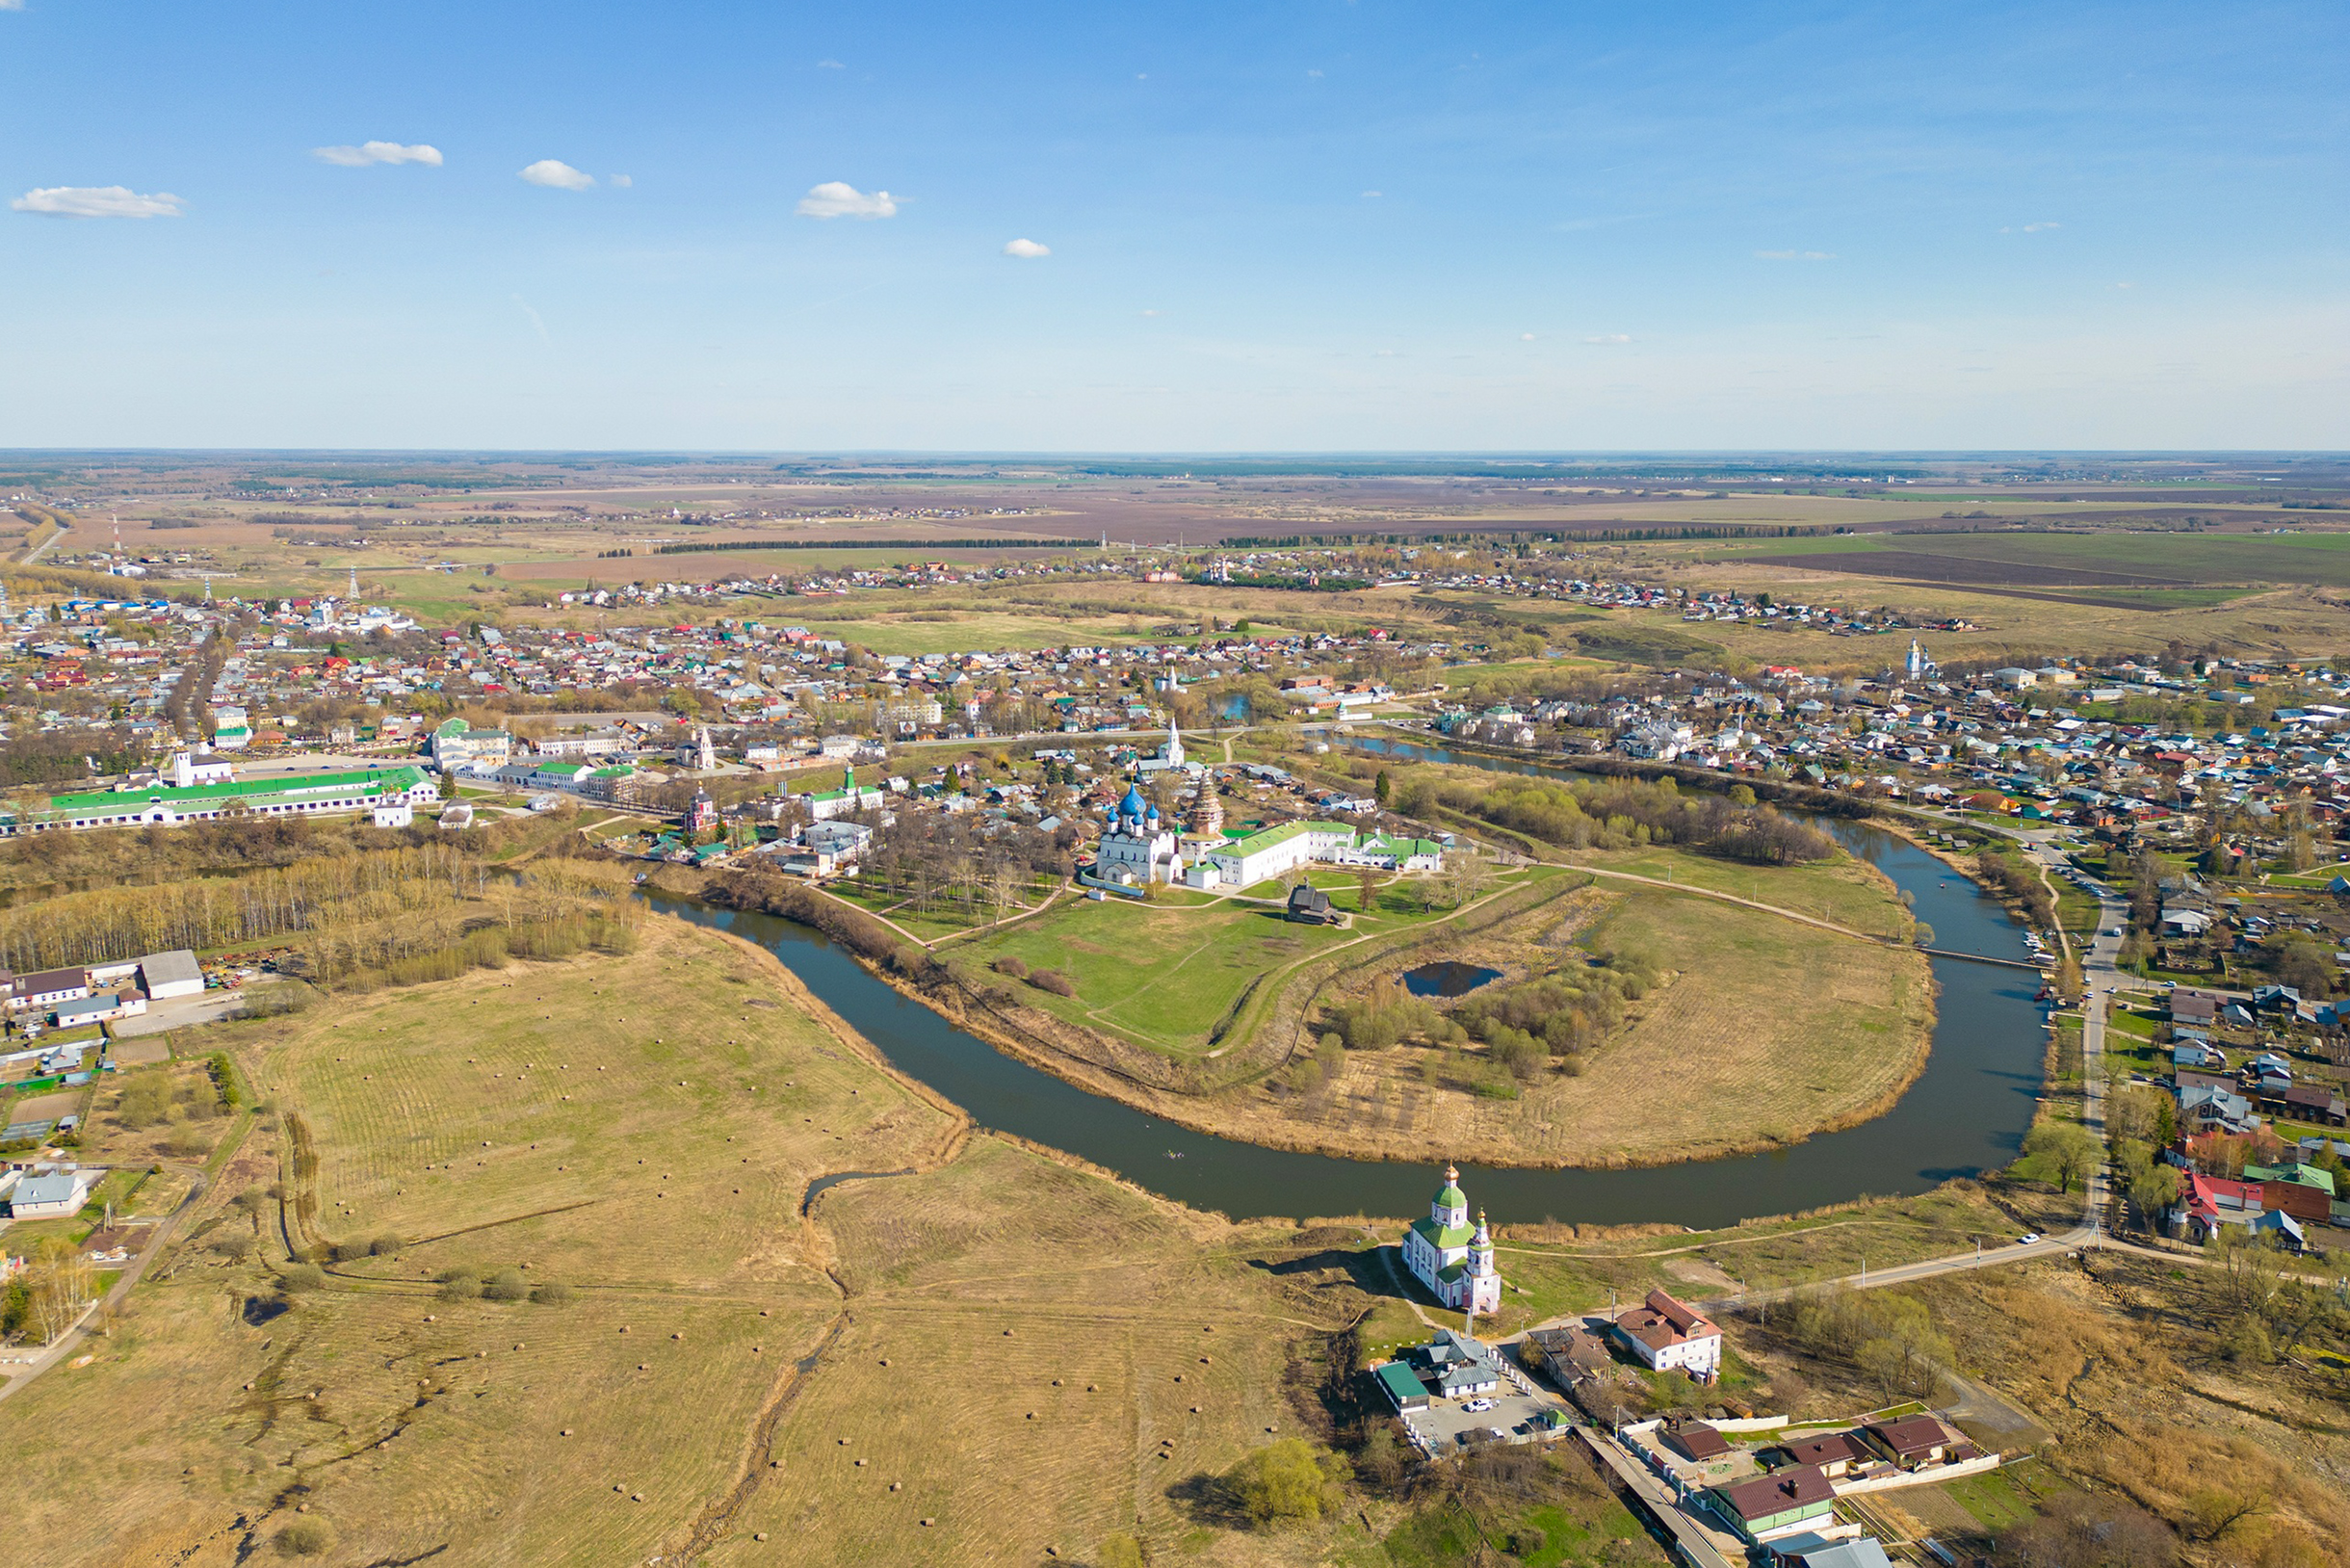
[1966, 1113]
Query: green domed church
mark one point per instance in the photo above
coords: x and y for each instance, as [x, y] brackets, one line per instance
[1453, 1259]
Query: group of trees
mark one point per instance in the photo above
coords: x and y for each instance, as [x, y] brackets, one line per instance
[2014, 877]
[2066, 1149]
[37, 760]
[1617, 813]
[979, 870]
[1524, 1028]
[2255, 1290]
[433, 903]
[1555, 1017]
[1890, 1337]
[42, 1300]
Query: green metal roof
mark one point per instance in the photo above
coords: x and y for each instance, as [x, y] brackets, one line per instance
[1272, 836]
[131, 803]
[1400, 1382]
[1444, 1238]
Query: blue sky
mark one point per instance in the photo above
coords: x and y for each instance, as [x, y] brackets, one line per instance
[1319, 225]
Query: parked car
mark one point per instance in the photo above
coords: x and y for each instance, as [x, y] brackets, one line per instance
[2027, 1238]
[1478, 1407]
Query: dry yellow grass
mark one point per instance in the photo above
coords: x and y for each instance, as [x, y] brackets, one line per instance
[521, 1433]
[1846, 1027]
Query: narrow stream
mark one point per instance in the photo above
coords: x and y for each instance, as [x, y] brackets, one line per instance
[1966, 1113]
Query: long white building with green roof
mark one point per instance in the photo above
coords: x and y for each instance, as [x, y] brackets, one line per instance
[1451, 1257]
[1251, 859]
[294, 795]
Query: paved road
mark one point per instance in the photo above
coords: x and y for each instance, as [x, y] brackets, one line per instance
[46, 545]
[1696, 1545]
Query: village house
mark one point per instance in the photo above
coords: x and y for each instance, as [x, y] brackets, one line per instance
[1668, 1335]
[1783, 1503]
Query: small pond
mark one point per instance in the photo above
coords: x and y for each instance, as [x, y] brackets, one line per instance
[1448, 978]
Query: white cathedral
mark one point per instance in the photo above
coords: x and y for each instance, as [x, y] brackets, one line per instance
[1452, 1260]
[1137, 847]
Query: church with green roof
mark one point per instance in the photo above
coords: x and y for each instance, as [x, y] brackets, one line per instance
[1451, 1257]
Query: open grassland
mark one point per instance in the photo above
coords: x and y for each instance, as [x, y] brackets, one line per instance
[1844, 891]
[2046, 559]
[643, 1131]
[1767, 1031]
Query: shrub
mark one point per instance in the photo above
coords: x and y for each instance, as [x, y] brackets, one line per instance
[302, 1276]
[349, 1252]
[304, 1538]
[1053, 980]
[386, 1246]
[552, 1295]
[1016, 968]
[233, 1246]
[458, 1284]
[1285, 1481]
[225, 1078]
[506, 1284]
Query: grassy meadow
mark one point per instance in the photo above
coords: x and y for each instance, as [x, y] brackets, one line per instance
[638, 1134]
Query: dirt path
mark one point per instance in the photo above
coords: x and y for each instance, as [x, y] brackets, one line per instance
[1731, 897]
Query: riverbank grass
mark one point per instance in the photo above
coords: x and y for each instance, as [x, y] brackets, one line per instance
[633, 1136]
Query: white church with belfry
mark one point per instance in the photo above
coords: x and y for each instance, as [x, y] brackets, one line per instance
[1451, 1257]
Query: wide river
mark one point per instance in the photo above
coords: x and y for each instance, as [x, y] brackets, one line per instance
[1966, 1112]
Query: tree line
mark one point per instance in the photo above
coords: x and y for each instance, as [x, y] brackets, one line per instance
[1610, 814]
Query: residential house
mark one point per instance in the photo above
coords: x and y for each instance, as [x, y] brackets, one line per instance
[1912, 1442]
[1832, 1453]
[51, 1192]
[1783, 1503]
[1811, 1550]
[1669, 1335]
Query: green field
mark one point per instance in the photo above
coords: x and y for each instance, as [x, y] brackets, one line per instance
[1159, 975]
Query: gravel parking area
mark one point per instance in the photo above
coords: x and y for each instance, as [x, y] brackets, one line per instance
[1441, 1426]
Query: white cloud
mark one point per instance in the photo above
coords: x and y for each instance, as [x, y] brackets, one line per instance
[1609, 337]
[1027, 249]
[1794, 256]
[11, 5]
[378, 152]
[538, 323]
[1369, 195]
[1312, 73]
[1525, 338]
[624, 181]
[556, 175]
[2031, 228]
[837, 199]
[98, 201]
[1154, 313]
[830, 65]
